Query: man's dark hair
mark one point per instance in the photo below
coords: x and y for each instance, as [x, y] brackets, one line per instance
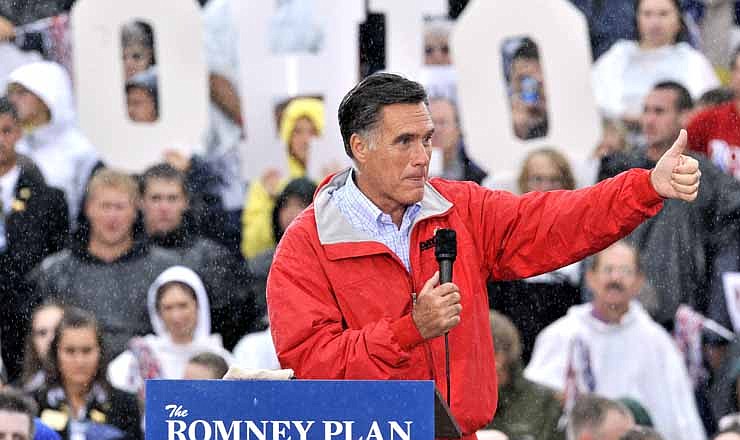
[146, 80]
[715, 96]
[360, 110]
[215, 363]
[7, 108]
[527, 50]
[683, 97]
[641, 433]
[15, 402]
[589, 414]
[162, 171]
[301, 188]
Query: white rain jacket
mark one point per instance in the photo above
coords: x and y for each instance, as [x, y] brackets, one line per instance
[124, 371]
[64, 155]
[635, 358]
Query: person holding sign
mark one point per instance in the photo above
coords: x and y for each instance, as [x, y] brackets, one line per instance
[353, 291]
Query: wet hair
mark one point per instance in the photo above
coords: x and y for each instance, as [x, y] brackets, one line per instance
[13, 401]
[683, 32]
[300, 188]
[361, 108]
[716, 96]
[557, 158]
[32, 362]
[109, 178]
[641, 433]
[147, 81]
[76, 318]
[506, 337]
[683, 97]
[590, 412]
[166, 286]
[163, 171]
[7, 108]
[138, 32]
[213, 362]
[527, 50]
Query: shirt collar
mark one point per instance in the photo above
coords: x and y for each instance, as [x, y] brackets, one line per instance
[370, 210]
[7, 186]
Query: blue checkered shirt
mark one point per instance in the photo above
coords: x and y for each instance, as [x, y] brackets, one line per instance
[364, 216]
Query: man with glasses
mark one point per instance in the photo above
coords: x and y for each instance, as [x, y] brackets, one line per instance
[611, 347]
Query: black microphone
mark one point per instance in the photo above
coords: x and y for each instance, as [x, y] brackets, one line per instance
[445, 249]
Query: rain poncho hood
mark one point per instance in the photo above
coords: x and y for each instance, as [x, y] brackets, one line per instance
[185, 276]
[155, 356]
[59, 148]
[50, 83]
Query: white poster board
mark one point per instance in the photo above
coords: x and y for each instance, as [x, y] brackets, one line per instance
[404, 32]
[267, 78]
[561, 33]
[101, 98]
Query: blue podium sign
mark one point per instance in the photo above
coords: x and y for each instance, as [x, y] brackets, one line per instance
[289, 410]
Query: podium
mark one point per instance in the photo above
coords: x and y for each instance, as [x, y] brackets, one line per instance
[296, 410]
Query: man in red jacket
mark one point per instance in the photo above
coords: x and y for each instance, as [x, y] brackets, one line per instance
[354, 292]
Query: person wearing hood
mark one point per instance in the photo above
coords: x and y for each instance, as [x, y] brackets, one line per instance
[301, 122]
[42, 94]
[170, 218]
[587, 349]
[180, 316]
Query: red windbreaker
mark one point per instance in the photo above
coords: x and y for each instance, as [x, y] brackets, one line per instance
[340, 304]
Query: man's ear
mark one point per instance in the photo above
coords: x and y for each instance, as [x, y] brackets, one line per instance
[360, 148]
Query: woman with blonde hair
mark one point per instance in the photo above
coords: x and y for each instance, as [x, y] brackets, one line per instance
[535, 302]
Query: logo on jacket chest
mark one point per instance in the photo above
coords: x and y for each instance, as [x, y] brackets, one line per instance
[427, 244]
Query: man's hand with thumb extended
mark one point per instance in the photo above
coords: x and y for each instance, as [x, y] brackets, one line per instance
[676, 176]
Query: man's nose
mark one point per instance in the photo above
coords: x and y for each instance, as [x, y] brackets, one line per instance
[421, 155]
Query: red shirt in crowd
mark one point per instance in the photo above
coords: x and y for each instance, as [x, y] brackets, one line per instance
[715, 132]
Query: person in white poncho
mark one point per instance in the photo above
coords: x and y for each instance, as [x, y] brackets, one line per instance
[613, 348]
[624, 74]
[178, 308]
[42, 93]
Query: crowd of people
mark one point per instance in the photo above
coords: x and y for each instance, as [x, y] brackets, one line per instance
[108, 279]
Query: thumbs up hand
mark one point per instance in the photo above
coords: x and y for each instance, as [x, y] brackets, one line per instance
[676, 176]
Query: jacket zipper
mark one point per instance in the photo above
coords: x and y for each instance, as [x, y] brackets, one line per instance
[427, 346]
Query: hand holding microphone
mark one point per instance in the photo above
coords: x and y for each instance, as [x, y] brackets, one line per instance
[437, 309]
